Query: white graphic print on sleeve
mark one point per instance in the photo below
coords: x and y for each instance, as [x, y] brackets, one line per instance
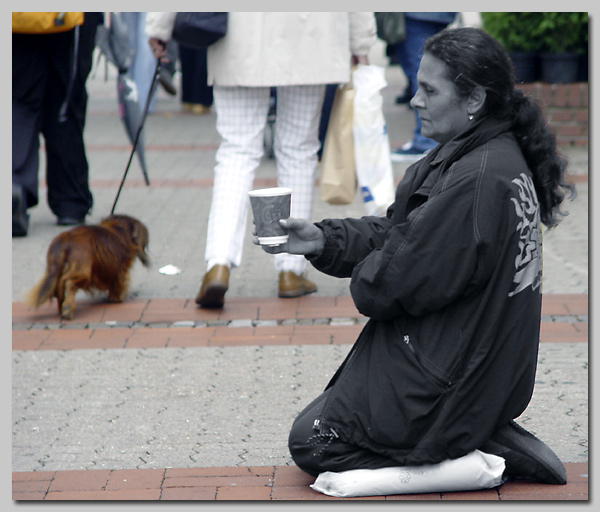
[528, 263]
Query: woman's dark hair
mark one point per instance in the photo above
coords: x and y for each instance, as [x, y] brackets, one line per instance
[474, 58]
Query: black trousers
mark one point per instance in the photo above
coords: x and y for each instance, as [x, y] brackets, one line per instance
[194, 76]
[315, 451]
[41, 73]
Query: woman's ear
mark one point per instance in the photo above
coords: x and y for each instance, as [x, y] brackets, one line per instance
[476, 100]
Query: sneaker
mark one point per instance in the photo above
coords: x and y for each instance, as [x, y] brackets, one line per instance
[408, 153]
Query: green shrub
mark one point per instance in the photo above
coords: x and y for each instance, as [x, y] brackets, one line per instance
[564, 32]
[551, 32]
[516, 31]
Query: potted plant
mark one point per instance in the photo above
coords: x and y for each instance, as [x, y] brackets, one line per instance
[564, 40]
[517, 32]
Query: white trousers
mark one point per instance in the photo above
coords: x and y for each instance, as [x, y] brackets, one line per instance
[241, 120]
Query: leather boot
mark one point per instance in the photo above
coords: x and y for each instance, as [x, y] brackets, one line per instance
[525, 455]
[214, 285]
[292, 285]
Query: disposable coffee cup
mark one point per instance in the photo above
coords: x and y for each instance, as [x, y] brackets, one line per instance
[269, 206]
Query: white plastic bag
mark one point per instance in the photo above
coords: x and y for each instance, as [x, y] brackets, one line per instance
[371, 144]
[474, 471]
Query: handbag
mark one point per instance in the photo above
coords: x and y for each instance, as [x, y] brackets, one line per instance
[199, 29]
[338, 177]
[45, 22]
[391, 26]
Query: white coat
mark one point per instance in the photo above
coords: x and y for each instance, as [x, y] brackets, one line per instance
[281, 48]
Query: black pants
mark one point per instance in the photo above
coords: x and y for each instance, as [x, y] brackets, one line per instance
[316, 452]
[41, 73]
[194, 77]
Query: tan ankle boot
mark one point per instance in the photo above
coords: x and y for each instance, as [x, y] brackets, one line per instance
[214, 285]
[292, 285]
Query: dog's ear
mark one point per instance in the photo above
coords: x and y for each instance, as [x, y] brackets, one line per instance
[139, 236]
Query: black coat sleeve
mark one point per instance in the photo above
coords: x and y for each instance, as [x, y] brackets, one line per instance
[348, 242]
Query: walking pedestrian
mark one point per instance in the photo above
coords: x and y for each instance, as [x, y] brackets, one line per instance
[196, 94]
[419, 26]
[49, 98]
[298, 53]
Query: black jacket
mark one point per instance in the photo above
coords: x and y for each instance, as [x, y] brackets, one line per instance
[451, 282]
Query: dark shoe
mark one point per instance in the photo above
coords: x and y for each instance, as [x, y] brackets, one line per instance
[525, 455]
[292, 285]
[70, 221]
[405, 97]
[214, 285]
[20, 217]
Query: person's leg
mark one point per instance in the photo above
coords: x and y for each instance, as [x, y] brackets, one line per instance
[69, 195]
[409, 54]
[194, 76]
[29, 73]
[204, 91]
[187, 74]
[241, 118]
[316, 450]
[296, 145]
[325, 115]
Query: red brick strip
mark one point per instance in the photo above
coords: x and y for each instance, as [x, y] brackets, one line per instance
[163, 323]
[250, 483]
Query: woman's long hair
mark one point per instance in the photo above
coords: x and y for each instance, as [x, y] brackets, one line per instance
[474, 58]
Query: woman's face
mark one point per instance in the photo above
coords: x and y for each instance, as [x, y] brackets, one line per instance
[443, 113]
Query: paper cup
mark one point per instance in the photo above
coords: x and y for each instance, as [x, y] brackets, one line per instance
[269, 206]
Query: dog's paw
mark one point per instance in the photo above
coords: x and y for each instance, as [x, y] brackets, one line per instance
[67, 312]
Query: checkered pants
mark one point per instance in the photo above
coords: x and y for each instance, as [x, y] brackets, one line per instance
[241, 120]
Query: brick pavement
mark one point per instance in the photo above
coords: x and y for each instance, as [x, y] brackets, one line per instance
[253, 483]
[172, 323]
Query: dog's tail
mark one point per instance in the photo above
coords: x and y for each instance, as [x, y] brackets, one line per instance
[45, 289]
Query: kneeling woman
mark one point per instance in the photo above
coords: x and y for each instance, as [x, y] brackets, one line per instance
[450, 279]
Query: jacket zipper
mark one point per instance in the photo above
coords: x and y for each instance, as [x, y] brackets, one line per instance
[437, 375]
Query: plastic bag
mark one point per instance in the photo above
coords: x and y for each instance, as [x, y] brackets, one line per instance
[474, 471]
[371, 144]
[338, 177]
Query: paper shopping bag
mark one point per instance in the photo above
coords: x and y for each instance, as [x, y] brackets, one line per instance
[338, 177]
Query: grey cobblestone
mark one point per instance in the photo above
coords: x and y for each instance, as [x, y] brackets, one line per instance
[220, 406]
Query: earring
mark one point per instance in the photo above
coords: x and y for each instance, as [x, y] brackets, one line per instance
[470, 117]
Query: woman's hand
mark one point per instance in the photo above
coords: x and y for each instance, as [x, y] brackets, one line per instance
[304, 238]
[159, 49]
[359, 59]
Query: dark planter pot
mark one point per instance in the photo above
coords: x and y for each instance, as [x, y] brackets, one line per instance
[526, 66]
[584, 67]
[559, 68]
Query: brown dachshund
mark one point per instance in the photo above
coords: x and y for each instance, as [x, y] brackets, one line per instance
[90, 258]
